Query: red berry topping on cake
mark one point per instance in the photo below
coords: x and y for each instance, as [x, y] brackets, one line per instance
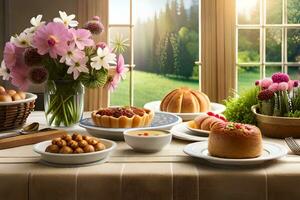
[210, 114]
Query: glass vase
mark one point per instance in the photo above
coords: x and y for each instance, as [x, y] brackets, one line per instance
[63, 101]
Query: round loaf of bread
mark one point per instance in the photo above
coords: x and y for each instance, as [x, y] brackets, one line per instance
[185, 100]
[234, 140]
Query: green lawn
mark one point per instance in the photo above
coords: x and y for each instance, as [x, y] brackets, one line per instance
[151, 87]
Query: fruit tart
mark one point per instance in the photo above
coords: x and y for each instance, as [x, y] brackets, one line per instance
[122, 117]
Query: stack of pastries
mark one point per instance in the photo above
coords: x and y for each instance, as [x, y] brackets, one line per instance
[206, 121]
[10, 95]
[122, 117]
[234, 140]
[185, 100]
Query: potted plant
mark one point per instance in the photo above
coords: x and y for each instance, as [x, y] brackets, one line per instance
[66, 58]
[278, 109]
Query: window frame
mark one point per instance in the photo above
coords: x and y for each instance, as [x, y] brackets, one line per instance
[262, 26]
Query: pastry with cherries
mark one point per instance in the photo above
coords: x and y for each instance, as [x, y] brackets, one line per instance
[185, 100]
[206, 121]
[234, 140]
[122, 117]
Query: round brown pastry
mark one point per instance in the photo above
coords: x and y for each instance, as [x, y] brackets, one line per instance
[77, 137]
[82, 143]
[16, 97]
[11, 92]
[66, 150]
[22, 94]
[55, 140]
[92, 141]
[185, 100]
[86, 137]
[61, 143]
[5, 98]
[99, 147]
[78, 150]
[234, 140]
[2, 90]
[66, 137]
[209, 122]
[122, 117]
[88, 148]
[52, 148]
[73, 144]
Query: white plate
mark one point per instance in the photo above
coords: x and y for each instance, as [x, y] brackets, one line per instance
[271, 151]
[197, 131]
[29, 97]
[74, 159]
[180, 131]
[215, 108]
[161, 121]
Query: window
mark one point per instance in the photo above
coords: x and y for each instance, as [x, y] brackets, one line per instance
[163, 46]
[268, 39]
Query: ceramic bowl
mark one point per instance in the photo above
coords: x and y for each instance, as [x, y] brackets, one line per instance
[277, 127]
[148, 143]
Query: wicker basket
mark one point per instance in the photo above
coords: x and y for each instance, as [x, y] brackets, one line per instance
[14, 114]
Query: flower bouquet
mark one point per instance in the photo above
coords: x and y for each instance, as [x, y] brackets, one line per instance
[278, 109]
[67, 58]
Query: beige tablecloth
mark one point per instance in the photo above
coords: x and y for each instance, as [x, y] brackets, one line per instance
[169, 174]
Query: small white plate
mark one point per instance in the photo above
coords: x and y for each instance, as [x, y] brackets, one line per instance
[271, 151]
[74, 159]
[215, 108]
[180, 131]
[195, 130]
[161, 121]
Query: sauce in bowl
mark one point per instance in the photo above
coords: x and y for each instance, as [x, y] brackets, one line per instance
[147, 133]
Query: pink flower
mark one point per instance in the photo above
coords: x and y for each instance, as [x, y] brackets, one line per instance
[280, 77]
[38, 75]
[291, 85]
[120, 68]
[283, 86]
[112, 83]
[19, 77]
[258, 82]
[9, 54]
[265, 95]
[53, 39]
[273, 87]
[101, 45]
[94, 25]
[296, 83]
[72, 54]
[82, 38]
[78, 66]
[265, 83]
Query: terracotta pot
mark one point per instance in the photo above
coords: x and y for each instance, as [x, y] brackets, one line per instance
[277, 127]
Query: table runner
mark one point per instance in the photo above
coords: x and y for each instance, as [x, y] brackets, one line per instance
[169, 174]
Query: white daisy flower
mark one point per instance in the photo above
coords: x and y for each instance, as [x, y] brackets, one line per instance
[4, 71]
[23, 40]
[78, 66]
[36, 21]
[103, 59]
[66, 20]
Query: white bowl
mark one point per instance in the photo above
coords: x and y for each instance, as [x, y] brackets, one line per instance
[147, 143]
[74, 159]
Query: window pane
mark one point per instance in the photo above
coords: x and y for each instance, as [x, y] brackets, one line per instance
[121, 96]
[247, 77]
[165, 47]
[248, 11]
[270, 70]
[119, 11]
[293, 11]
[293, 45]
[294, 72]
[248, 45]
[117, 35]
[274, 11]
[273, 45]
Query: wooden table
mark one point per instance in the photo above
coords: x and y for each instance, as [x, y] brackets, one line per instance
[167, 175]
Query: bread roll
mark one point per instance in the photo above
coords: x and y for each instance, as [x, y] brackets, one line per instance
[5, 98]
[234, 140]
